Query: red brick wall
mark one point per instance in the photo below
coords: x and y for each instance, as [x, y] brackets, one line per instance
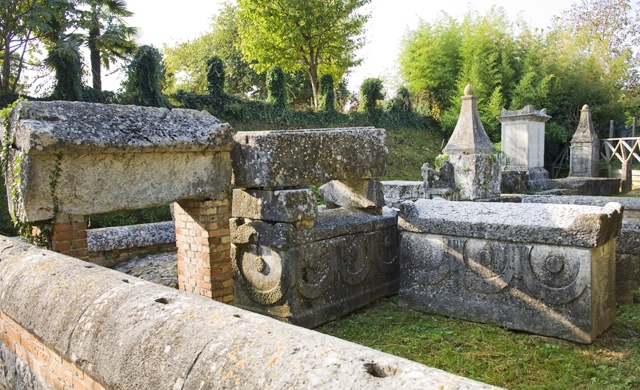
[203, 241]
[70, 237]
[45, 362]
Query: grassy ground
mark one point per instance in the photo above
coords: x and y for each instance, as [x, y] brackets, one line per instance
[408, 150]
[494, 355]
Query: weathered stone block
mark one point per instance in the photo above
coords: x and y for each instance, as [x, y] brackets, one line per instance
[313, 276]
[397, 191]
[111, 157]
[477, 175]
[362, 194]
[292, 158]
[274, 206]
[546, 270]
[132, 236]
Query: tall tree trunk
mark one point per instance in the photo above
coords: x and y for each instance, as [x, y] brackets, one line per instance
[21, 63]
[6, 68]
[313, 75]
[96, 62]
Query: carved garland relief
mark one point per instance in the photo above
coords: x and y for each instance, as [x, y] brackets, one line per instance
[555, 275]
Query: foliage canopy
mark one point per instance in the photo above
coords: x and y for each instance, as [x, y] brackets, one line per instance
[319, 36]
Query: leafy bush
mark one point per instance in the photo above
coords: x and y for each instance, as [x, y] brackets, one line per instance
[145, 78]
[277, 88]
[370, 92]
[327, 93]
[215, 83]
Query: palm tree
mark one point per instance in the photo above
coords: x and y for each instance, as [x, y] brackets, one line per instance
[109, 36]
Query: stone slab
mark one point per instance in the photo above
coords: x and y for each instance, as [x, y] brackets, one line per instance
[629, 204]
[292, 158]
[314, 283]
[50, 127]
[558, 291]
[329, 224]
[110, 157]
[131, 334]
[362, 194]
[132, 236]
[274, 206]
[397, 191]
[568, 225]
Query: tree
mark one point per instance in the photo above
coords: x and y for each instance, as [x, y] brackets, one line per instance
[65, 60]
[145, 78]
[22, 22]
[186, 62]
[320, 36]
[108, 37]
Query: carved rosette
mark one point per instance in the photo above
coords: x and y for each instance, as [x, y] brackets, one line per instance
[259, 271]
[313, 271]
[354, 261]
[387, 255]
[556, 276]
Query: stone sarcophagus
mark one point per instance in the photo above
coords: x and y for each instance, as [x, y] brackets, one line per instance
[290, 260]
[312, 276]
[73, 158]
[545, 269]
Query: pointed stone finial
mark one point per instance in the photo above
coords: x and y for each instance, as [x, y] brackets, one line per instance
[586, 132]
[469, 136]
[468, 90]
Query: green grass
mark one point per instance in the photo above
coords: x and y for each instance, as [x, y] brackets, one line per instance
[408, 150]
[494, 355]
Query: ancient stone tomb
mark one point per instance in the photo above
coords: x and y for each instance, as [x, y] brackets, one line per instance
[545, 269]
[293, 262]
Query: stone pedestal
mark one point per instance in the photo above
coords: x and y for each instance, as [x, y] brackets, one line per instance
[585, 148]
[523, 145]
[477, 167]
[397, 191]
[477, 175]
[545, 269]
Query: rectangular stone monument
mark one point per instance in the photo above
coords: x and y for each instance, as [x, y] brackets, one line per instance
[292, 262]
[69, 159]
[312, 276]
[111, 157]
[585, 148]
[523, 144]
[476, 165]
[545, 269]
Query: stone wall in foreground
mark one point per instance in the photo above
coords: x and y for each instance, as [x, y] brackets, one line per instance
[67, 324]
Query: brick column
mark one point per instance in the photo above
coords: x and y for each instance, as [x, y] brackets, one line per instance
[203, 241]
[69, 236]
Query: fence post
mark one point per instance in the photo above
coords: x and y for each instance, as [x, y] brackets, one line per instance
[607, 151]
